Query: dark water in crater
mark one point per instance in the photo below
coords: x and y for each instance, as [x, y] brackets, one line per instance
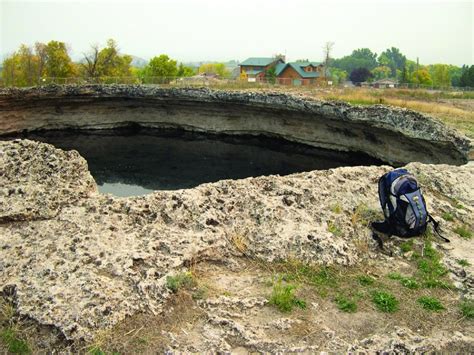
[127, 162]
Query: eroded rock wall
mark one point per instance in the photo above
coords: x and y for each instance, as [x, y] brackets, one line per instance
[394, 135]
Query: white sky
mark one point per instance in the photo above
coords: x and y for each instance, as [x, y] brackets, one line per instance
[434, 31]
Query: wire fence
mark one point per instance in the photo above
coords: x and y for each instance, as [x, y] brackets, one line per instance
[211, 81]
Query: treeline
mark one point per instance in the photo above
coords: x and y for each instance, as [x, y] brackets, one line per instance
[31, 65]
[364, 65]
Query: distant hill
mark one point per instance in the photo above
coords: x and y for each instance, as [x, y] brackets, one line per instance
[138, 62]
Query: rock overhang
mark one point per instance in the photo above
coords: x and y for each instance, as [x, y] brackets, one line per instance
[395, 135]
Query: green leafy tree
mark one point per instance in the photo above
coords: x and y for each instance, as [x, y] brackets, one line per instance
[440, 75]
[161, 66]
[338, 75]
[360, 58]
[184, 70]
[421, 77]
[467, 76]
[58, 63]
[270, 75]
[455, 74]
[381, 72]
[394, 59]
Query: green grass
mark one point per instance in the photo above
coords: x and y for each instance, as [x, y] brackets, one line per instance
[334, 229]
[430, 303]
[467, 309]
[183, 280]
[283, 297]
[345, 304]
[385, 301]
[365, 280]
[406, 246]
[463, 262]
[447, 216]
[405, 281]
[96, 351]
[13, 342]
[463, 231]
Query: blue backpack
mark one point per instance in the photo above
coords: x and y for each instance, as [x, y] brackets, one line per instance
[403, 205]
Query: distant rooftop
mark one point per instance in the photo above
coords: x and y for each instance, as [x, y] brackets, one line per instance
[258, 61]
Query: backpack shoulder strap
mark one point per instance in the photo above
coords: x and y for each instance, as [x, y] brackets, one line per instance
[436, 228]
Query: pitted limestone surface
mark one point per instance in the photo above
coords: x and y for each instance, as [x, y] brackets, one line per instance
[81, 261]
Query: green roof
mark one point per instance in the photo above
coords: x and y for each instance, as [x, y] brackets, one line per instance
[298, 68]
[279, 68]
[308, 63]
[258, 62]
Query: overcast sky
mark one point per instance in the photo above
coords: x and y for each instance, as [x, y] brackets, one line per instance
[194, 30]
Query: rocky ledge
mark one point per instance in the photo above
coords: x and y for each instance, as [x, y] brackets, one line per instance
[82, 261]
[394, 135]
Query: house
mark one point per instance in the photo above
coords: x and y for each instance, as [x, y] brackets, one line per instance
[385, 83]
[292, 73]
[254, 69]
[300, 73]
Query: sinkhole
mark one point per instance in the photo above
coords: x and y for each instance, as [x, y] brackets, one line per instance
[134, 161]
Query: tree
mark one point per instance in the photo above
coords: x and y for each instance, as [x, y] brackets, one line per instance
[270, 75]
[394, 59]
[214, 68]
[161, 66]
[327, 54]
[184, 70]
[58, 63]
[381, 72]
[360, 58]
[440, 75]
[360, 75]
[421, 77]
[467, 76]
[338, 75]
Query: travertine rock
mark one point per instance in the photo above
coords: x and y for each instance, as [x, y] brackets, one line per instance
[81, 261]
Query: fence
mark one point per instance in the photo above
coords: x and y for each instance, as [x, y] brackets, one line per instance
[199, 81]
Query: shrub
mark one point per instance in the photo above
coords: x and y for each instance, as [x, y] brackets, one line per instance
[185, 279]
[430, 303]
[385, 302]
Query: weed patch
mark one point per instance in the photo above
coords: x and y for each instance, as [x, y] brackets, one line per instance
[467, 309]
[365, 280]
[430, 303]
[447, 216]
[284, 299]
[345, 304]
[463, 231]
[334, 229]
[463, 262]
[385, 302]
[13, 342]
[407, 246]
